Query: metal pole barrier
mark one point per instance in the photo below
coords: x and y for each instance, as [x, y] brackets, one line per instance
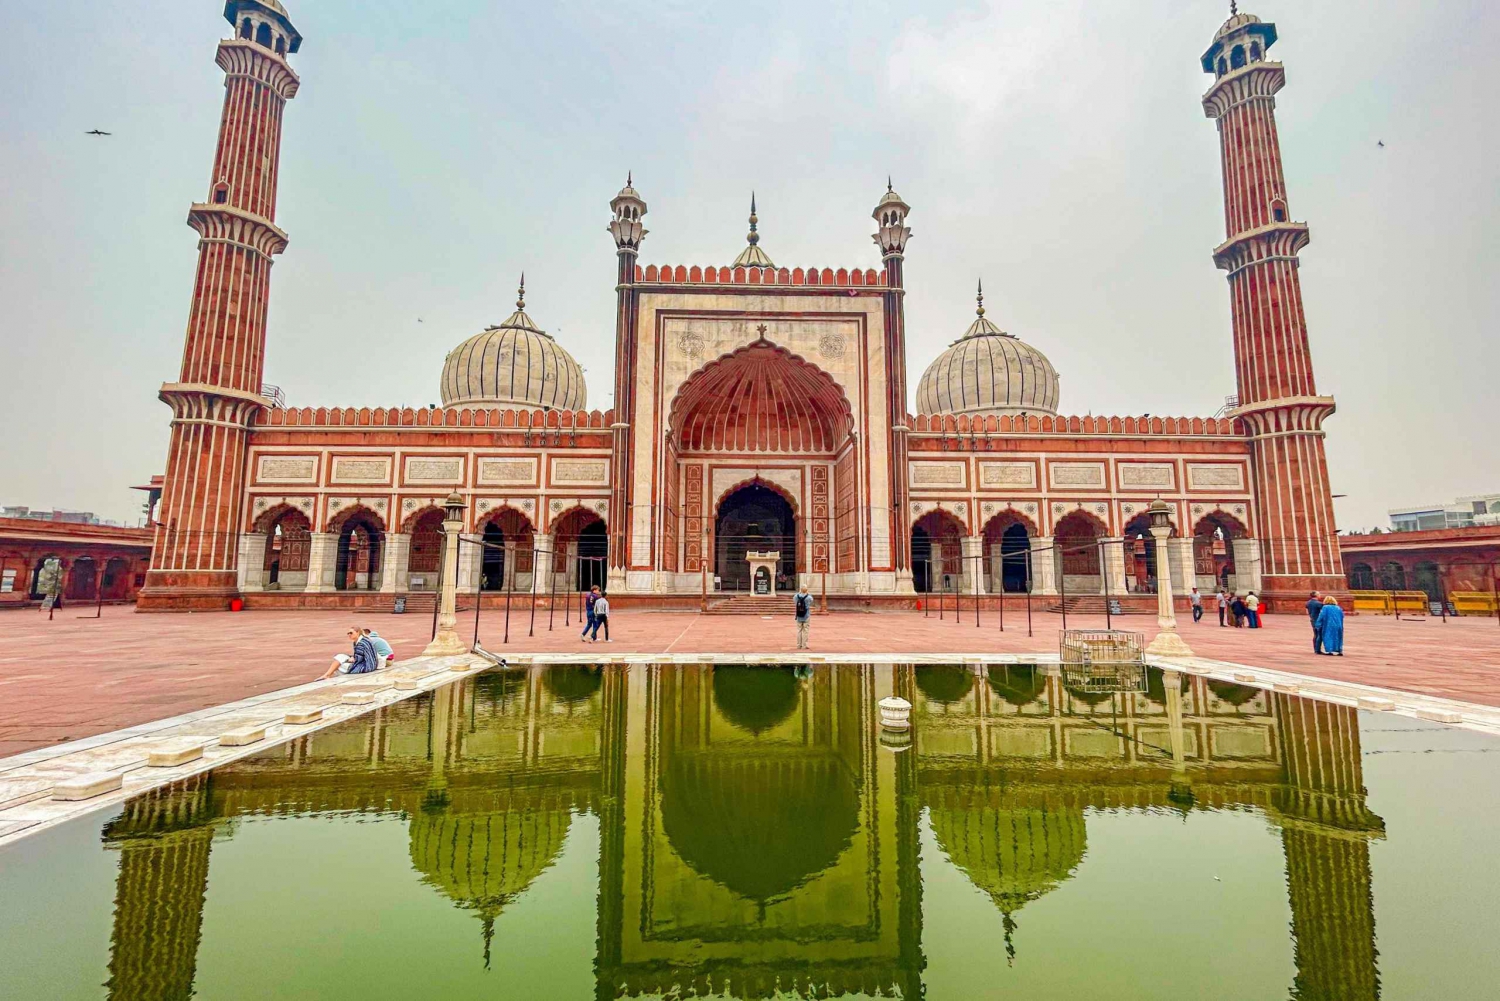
[1062, 586]
[939, 584]
[1028, 592]
[531, 628]
[478, 587]
[552, 591]
[510, 582]
[1002, 592]
[568, 604]
[99, 592]
[1104, 570]
[437, 598]
[977, 568]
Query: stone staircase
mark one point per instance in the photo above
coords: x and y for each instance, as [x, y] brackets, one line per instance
[752, 604]
[1097, 604]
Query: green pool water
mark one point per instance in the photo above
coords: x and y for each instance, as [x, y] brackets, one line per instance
[692, 830]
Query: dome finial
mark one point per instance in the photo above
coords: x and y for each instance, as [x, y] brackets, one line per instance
[753, 237]
[1234, 7]
[979, 309]
[521, 293]
[629, 178]
[889, 187]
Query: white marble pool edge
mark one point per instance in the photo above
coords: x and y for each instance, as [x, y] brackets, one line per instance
[29, 781]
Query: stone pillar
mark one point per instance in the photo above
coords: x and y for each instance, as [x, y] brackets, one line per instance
[322, 561]
[508, 578]
[570, 571]
[936, 568]
[447, 642]
[1112, 566]
[470, 556]
[1167, 643]
[252, 561]
[1246, 564]
[1184, 574]
[541, 563]
[394, 562]
[1043, 566]
[971, 547]
[996, 569]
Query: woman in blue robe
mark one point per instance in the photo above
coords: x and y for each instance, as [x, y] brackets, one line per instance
[1331, 627]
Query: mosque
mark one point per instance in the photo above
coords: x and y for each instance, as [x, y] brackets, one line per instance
[757, 408]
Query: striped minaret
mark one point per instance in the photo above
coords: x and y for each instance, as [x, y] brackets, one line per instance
[628, 207]
[1278, 399]
[193, 562]
[890, 215]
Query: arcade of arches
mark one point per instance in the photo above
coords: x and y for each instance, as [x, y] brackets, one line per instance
[78, 562]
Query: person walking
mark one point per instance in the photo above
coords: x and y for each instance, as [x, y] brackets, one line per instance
[589, 600]
[1197, 602]
[1331, 627]
[1314, 608]
[601, 619]
[1252, 610]
[1222, 601]
[802, 613]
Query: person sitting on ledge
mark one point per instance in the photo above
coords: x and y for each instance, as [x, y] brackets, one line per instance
[384, 654]
[361, 661]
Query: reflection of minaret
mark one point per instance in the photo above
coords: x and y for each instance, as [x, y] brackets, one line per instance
[1326, 833]
[163, 839]
[908, 845]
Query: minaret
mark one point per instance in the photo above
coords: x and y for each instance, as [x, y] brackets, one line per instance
[890, 215]
[628, 208]
[213, 401]
[1278, 400]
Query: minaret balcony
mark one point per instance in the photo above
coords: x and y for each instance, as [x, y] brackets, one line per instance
[238, 228]
[1271, 242]
[240, 57]
[1255, 81]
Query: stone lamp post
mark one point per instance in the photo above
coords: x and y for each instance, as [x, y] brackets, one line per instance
[1167, 643]
[447, 642]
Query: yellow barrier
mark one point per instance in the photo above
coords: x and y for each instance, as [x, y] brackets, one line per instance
[1378, 602]
[1472, 602]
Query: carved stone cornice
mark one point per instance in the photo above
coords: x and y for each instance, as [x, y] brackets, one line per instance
[240, 58]
[200, 403]
[1257, 81]
[226, 224]
[1271, 242]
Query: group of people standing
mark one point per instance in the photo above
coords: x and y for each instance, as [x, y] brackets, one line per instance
[1232, 608]
[1327, 624]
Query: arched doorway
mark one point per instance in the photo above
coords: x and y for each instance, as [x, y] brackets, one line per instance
[83, 578]
[424, 559]
[1076, 540]
[754, 517]
[936, 552]
[1361, 577]
[1007, 550]
[1425, 577]
[1393, 577]
[116, 581]
[357, 567]
[580, 543]
[1140, 555]
[288, 549]
[1213, 548]
[46, 577]
[507, 555]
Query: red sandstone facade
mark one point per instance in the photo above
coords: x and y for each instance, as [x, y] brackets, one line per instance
[90, 562]
[1439, 561]
[756, 407]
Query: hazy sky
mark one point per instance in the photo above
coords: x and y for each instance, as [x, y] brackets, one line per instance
[1058, 150]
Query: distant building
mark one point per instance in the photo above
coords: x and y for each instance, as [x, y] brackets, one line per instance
[81, 561]
[1465, 512]
[57, 514]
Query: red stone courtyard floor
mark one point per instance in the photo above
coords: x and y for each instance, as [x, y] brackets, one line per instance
[74, 677]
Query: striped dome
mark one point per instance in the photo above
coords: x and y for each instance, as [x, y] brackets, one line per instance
[513, 365]
[988, 371]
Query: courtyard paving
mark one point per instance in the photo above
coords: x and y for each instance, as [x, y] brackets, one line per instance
[74, 677]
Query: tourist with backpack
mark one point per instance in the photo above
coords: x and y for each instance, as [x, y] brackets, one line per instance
[802, 613]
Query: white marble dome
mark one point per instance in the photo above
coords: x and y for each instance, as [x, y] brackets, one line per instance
[987, 371]
[515, 364]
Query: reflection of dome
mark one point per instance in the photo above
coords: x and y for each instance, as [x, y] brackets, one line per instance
[1015, 856]
[484, 861]
[1020, 685]
[571, 685]
[755, 698]
[988, 371]
[514, 364]
[944, 684]
[757, 826]
[1235, 695]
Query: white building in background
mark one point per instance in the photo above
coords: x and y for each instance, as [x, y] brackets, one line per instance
[1464, 512]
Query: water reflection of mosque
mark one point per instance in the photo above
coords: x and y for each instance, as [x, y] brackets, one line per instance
[754, 835]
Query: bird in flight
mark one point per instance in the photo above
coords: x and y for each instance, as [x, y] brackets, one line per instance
[1380, 143]
[96, 132]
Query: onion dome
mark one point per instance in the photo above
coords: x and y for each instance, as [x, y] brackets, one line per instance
[987, 371]
[752, 256]
[516, 364]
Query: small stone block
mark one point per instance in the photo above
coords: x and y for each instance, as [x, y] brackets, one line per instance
[242, 736]
[1243, 676]
[1378, 705]
[358, 698]
[1440, 715]
[1288, 687]
[459, 668]
[301, 716]
[407, 684]
[174, 754]
[87, 786]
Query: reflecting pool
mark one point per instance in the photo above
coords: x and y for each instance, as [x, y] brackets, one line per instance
[746, 832]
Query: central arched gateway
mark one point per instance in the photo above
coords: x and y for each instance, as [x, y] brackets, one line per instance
[754, 518]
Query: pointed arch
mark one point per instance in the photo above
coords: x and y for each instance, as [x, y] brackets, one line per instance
[760, 398]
